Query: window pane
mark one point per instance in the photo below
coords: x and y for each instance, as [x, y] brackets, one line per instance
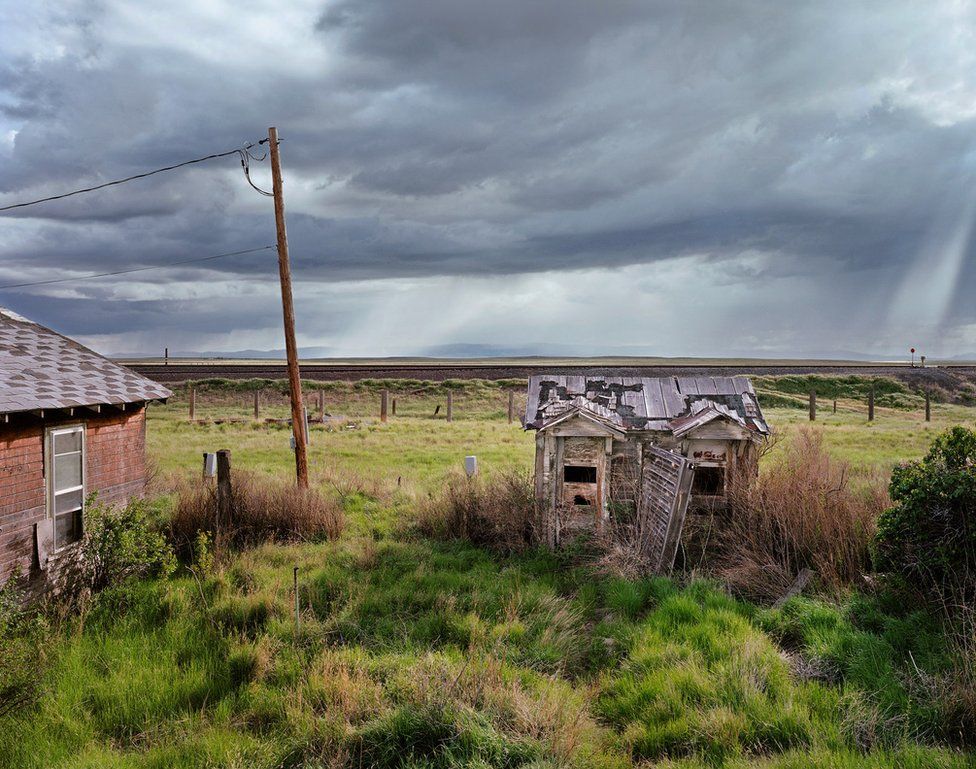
[65, 442]
[67, 471]
[67, 528]
[70, 500]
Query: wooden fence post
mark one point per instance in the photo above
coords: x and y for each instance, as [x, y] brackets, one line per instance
[928, 407]
[384, 397]
[193, 401]
[813, 405]
[450, 405]
[257, 404]
[225, 491]
[835, 405]
[393, 408]
[871, 404]
[511, 406]
[321, 405]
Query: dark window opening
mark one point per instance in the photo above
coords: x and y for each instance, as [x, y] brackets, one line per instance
[579, 499]
[709, 480]
[579, 474]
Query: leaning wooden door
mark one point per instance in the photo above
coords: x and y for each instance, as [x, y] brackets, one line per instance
[666, 489]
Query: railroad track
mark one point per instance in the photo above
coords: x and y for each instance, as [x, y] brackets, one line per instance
[182, 372]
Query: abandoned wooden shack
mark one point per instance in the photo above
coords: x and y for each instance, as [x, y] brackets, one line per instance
[71, 423]
[644, 445]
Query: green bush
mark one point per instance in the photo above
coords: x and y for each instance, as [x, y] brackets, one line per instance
[928, 538]
[120, 542]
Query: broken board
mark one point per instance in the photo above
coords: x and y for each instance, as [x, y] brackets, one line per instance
[666, 482]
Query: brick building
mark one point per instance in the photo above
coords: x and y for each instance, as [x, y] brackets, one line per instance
[71, 423]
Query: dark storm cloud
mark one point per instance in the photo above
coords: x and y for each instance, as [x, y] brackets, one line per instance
[438, 138]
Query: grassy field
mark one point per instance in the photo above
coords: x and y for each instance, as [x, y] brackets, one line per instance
[419, 446]
[415, 653]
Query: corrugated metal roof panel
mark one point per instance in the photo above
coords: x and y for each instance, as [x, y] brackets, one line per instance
[644, 403]
[674, 401]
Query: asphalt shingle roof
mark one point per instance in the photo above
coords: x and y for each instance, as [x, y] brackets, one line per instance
[41, 369]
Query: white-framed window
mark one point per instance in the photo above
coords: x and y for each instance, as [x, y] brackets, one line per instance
[66, 482]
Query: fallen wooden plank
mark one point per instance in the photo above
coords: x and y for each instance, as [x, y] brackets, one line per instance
[801, 581]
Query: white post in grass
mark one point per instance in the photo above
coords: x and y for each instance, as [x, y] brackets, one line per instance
[297, 602]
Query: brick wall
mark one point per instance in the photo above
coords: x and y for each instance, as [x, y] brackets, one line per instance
[115, 446]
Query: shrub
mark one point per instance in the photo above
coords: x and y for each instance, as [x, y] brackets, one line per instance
[260, 511]
[497, 512]
[928, 537]
[120, 542]
[800, 513]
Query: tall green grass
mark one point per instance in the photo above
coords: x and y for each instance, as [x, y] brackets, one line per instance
[413, 653]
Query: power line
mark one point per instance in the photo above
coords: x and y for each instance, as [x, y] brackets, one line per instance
[137, 269]
[242, 152]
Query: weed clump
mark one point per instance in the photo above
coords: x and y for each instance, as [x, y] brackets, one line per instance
[498, 512]
[701, 681]
[801, 513]
[260, 511]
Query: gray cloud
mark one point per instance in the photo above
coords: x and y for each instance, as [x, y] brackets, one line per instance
[801, 149]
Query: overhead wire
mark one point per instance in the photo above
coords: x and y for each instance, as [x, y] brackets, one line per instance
[138, 269]
[242, 152]
[246, 157]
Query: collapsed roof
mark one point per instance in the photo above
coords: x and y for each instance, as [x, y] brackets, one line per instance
[639, 404]
[41, 369]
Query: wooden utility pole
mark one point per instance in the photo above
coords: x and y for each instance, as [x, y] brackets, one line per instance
[450, 405]
[193, 402]
[813, 405]
[871, 404]
[384, 398]
[288, 311]
[257, 404]
[928, 407]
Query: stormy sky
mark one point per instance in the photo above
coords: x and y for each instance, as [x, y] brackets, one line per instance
[684, 178]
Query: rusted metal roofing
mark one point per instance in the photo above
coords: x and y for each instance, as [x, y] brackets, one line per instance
[646, 403]
[701, 413]
[41, 369]
[556, 411]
